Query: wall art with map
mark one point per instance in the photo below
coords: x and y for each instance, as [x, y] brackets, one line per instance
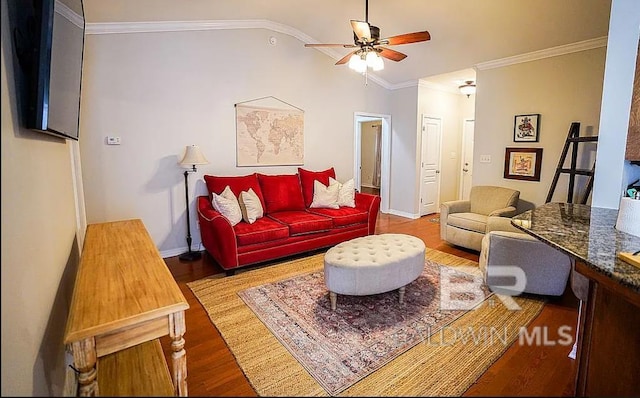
[269, 135]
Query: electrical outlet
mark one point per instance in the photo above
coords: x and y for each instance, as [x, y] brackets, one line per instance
[485, 158]
[113, 140]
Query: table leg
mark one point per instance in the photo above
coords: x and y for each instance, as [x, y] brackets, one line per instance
[177, 329]
[84, 358]
[401, 293]
[333, 297]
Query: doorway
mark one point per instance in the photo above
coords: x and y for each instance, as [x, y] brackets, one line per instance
[369, 146]
[430, 165]
[370, 156]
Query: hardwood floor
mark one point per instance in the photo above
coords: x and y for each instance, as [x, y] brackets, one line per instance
[523, 370]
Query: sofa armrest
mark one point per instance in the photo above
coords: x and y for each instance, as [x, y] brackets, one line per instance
[455, 206]
[450, 207]
[217, 234]
[370, 204]
[495, 223]
[508, 211]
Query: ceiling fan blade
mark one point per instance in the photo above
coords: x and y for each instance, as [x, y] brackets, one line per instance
[406, 38]
[391, 54]
[345, 59]
[361, 30]
[330, 45]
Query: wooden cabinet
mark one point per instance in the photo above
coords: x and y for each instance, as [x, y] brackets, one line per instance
[609, 342]
[123, 301]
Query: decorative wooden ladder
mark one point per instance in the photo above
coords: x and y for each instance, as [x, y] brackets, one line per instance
[573, 138]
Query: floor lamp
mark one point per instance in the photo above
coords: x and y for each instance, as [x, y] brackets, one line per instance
[192, 158]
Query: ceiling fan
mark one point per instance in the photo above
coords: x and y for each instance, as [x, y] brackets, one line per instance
[366, 38]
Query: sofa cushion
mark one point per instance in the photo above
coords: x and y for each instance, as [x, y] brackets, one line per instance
[303, 222]
[262, 230]
[250, 206]
[346, 193]
[469, 221]
[281, 192]
[325, 196]
[227, 204]
[343, 216]
[237, 184]
[307, 178]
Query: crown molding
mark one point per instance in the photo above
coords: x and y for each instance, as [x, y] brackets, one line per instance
[547, 53]
[438, 87]
[102, 28]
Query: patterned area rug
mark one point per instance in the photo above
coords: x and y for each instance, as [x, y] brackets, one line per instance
[340, 347]
[445, 364]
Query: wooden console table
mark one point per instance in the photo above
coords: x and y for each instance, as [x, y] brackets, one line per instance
[124, 300]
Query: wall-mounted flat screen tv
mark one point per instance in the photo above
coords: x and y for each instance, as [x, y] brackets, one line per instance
[49, 41]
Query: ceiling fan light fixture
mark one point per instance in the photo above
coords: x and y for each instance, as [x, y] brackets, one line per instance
[354, 61]
[379, 64]
[358, 62]
[468, 88]
[374, 60]
[371, 58]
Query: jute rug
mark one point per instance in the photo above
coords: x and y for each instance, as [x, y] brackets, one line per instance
[444, 363]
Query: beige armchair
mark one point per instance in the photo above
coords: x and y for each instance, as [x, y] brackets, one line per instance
[464, 222]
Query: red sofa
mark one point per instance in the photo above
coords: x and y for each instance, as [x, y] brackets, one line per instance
[289, 225]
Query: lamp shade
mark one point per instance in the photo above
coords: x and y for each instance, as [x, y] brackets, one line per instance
[193, 156]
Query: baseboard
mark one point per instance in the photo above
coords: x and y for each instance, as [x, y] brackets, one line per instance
[70, 388]
[180, 250]
[403, 214]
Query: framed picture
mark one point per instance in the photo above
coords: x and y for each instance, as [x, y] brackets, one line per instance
[526, 128]
[523, 163]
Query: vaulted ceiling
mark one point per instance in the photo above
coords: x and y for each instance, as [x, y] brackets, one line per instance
[463, 32]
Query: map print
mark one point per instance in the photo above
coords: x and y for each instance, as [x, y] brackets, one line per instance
[269, 136]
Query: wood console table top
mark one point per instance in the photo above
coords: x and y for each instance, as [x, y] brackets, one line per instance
[124, 295]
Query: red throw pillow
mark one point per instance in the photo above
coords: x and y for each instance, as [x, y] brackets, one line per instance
[308, 177]
[236, 183]
[281, 192]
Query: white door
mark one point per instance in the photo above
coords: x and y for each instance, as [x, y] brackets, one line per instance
[466, 169]
[430, 165]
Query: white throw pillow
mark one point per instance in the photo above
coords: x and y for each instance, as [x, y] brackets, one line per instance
[250, 206]
[227, 204]
[346, 193]
[325, 197]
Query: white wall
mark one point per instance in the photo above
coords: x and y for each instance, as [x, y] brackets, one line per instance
[611, 176]
[562, 89]
[403, 188]
[162, 91]
[39, 246]
[448, 107]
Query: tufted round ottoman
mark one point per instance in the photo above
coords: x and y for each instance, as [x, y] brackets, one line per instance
[373, 264]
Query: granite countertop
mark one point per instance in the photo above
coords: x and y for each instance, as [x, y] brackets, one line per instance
[585, 233]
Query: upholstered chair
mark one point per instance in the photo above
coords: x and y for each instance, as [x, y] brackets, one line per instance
[546, 269]
[464, 222]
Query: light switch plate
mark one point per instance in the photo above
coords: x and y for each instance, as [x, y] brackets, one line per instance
[485, 158]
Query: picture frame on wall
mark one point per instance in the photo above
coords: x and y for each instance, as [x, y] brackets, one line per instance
[523, 163]
[526, 128]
